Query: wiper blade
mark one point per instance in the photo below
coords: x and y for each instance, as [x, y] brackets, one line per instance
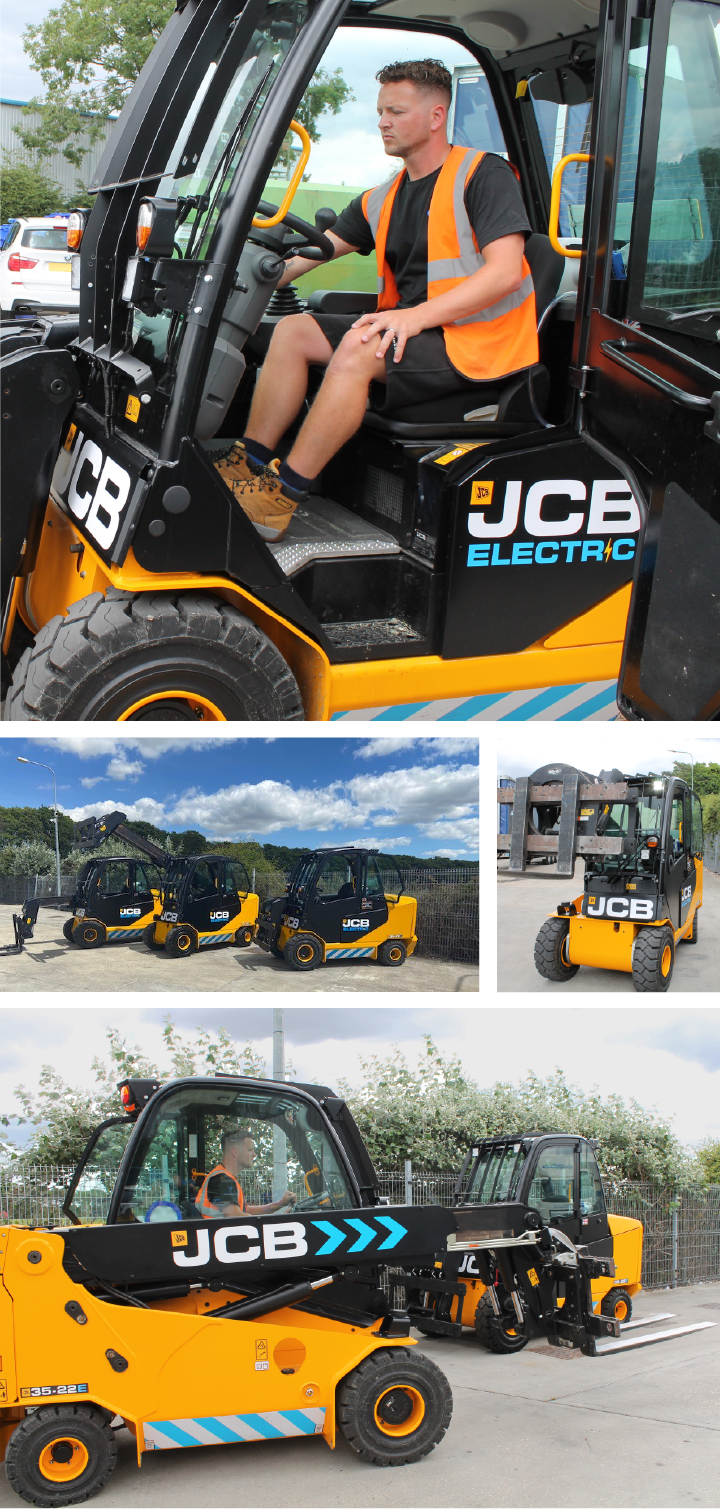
[694, 314]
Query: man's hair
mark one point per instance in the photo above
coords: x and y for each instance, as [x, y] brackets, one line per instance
[426, 73]
[234, 1134]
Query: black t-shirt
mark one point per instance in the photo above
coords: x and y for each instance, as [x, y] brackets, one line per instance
[222, 1190]
[493, 202]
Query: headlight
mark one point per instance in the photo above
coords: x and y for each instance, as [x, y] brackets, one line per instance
[144, 224]
[76, 229]
[155, 230]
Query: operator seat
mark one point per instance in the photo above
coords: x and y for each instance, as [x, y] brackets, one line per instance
[446, 416]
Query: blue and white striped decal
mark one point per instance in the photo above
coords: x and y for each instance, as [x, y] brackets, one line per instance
[225, 1430]
[339, 951]
[118, 933]
[587, 702]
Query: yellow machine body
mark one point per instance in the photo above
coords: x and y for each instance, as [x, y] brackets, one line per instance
[401, 924]
[225, 931]
[184, 1371]
[603, 944]
[127, 928]
[627, 1235]
[587, 648]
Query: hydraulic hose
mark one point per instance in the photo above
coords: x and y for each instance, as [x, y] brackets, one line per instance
[291, 1294]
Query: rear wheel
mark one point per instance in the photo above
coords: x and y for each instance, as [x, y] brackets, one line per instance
[68, 929]
[551, 960]
[692, 936]
[653, 959]
[302, 951]
[394, 1407]
[180, 942]
[618, 1304]
[60, 1454]
[244, 937]
[499, 1333]
[161, 656]
[90, 934]
[151, 941]
[392, 952]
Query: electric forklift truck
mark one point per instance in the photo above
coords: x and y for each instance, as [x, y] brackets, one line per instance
[642, 840]
[335, 906]
[572, 538]
[116, 898]
[205, 900]
[524, 1183]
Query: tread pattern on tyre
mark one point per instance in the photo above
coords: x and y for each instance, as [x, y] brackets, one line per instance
[607, 1305]
[68, 1417]
[647, 952]
[489, 1333]
[393, 1452]
[75, 652]
[692, 936]
[548, 946]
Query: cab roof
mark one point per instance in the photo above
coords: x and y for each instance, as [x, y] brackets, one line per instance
[525, 24]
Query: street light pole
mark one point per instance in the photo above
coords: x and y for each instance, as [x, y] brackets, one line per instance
[279, 1142]
[692, 764]
[39, 763]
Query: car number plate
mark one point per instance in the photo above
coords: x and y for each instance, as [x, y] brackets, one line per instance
[58, 266]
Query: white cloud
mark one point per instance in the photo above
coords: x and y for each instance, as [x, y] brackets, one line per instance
[87, 747]
[434, 747]
[123, 769]
[88, 781]
[466, 830]
[264, 807]
[145, 809]
[419, 794]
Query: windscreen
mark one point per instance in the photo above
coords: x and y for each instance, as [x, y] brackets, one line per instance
[49, 240]
[216, 1151]
[637, 821]
[496, 1173]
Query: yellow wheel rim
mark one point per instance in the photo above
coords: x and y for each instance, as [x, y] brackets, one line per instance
[63, 1459]
[395, 953]
[621, 1310]
[184, 942]
[305, 953]
[666, 961]
[90, 934]
[204, 710]
[417, 1411]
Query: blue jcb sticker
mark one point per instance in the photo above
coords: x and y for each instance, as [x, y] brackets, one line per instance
[550, 552]
[355, 924]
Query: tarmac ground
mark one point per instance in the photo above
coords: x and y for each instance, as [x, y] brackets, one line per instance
[558, 1431]
[49, 963]
[523, 903]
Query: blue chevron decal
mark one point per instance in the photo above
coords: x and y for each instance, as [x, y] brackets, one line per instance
[363, 1240]
[395, 1230]
[334, 1237]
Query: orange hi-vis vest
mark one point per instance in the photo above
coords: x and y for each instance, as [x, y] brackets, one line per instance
[498, 340]
[201, 1200]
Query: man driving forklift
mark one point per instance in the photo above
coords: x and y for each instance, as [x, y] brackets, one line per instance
[456, 303]
[221, 1192]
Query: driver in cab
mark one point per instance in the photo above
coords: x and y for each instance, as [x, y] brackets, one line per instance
[220, 1193]
[456, 303]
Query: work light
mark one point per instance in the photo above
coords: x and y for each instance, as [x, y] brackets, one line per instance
[76, 229]
[155, 230]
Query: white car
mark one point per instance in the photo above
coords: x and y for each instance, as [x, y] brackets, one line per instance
[35, 267]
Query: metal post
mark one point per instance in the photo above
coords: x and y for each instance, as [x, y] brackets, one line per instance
[23, 761]
[279, 1143]
[673, 1282]
[408, 1182]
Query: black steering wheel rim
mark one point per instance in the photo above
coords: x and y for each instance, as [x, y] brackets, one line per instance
[303, 227]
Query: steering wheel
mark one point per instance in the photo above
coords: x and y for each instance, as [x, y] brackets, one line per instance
[313, 1203]
[313, 234]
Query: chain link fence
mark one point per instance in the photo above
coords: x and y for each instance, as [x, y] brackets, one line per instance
[15, 889]
[681, 1242]
[711, 853]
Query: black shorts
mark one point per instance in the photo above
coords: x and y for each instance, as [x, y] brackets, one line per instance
[425, 371]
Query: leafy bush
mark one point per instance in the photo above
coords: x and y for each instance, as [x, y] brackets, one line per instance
[25, 189]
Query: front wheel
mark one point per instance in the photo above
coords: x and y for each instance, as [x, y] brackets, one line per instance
[551, 956]
[244, 937]
[151, 941]
[60, 1454]
[162, 656]
[618, 1304]
[394, 1407]
[68, 929]
[653, 959]
[90, 934]
[392, 952]
[180, 942]
[302, 951]
[499, 1333]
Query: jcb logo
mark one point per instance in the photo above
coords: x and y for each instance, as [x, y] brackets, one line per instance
[282, 1241]
[99, 488]
[219, 916]
[468, 1265]
[610, 511]
[621, 908]
[686, 895]
[355, 924]
[131, 911]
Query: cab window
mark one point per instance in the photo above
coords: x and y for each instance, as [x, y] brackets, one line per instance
[676, 825]
[142, 882]
[374, 885]
[204, 880]
[564, 129]
[236, 876]
[337, 880]
[552, 1190]
[496, 1174]
[115, 878]
[592, 1199]
[696, 844]
[287, 1147]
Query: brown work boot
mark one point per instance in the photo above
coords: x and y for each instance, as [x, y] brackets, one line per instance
[268, 503]
[237, 466]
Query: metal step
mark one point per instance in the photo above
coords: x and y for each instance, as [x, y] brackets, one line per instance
[623, 1345]
[322, 530]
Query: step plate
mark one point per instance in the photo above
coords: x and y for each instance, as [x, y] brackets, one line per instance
[322, 530]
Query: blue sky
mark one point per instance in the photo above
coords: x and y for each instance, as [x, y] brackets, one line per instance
[404, 795]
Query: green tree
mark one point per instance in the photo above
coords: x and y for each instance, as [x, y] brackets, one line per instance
[709, 1160]
[18, 824]
[189, 842]
[66, 829]
[32, 857]
[704, 779]
[711, 815]
[25, 189]
[325, 95]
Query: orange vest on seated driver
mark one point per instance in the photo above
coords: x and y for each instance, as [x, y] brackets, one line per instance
[201, 1200]
[500, 339]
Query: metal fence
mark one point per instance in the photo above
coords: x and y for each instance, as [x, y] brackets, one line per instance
[681, 1230]
[15, 889]
[711, 853]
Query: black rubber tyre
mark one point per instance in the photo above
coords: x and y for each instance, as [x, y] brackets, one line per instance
[89, 933]
[653, 959]
[180, 942]
[394, 1407]
[68, 930]
[244, 937]
[276, 952]
[392, 952]
[108, 654]
[150, 940]
[618, 1304]
[692, 936]
[303, 951]
[550, 948]
[45, 1442]
[499, 1334]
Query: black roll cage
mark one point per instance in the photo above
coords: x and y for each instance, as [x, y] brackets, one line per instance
[528, 1147]
[314, 861]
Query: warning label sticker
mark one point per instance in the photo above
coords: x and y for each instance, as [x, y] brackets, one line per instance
[3, 1391]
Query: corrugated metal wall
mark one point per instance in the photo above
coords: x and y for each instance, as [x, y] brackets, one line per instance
[57, 166]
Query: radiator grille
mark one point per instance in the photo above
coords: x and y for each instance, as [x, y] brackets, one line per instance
[384, 493]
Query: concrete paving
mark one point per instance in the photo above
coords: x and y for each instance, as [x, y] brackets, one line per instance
[523, 904]
[49, 963]
[640, 1427]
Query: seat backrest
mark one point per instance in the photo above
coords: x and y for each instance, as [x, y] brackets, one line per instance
[547, 267]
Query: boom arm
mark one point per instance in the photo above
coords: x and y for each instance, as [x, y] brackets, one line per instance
[90, 833]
